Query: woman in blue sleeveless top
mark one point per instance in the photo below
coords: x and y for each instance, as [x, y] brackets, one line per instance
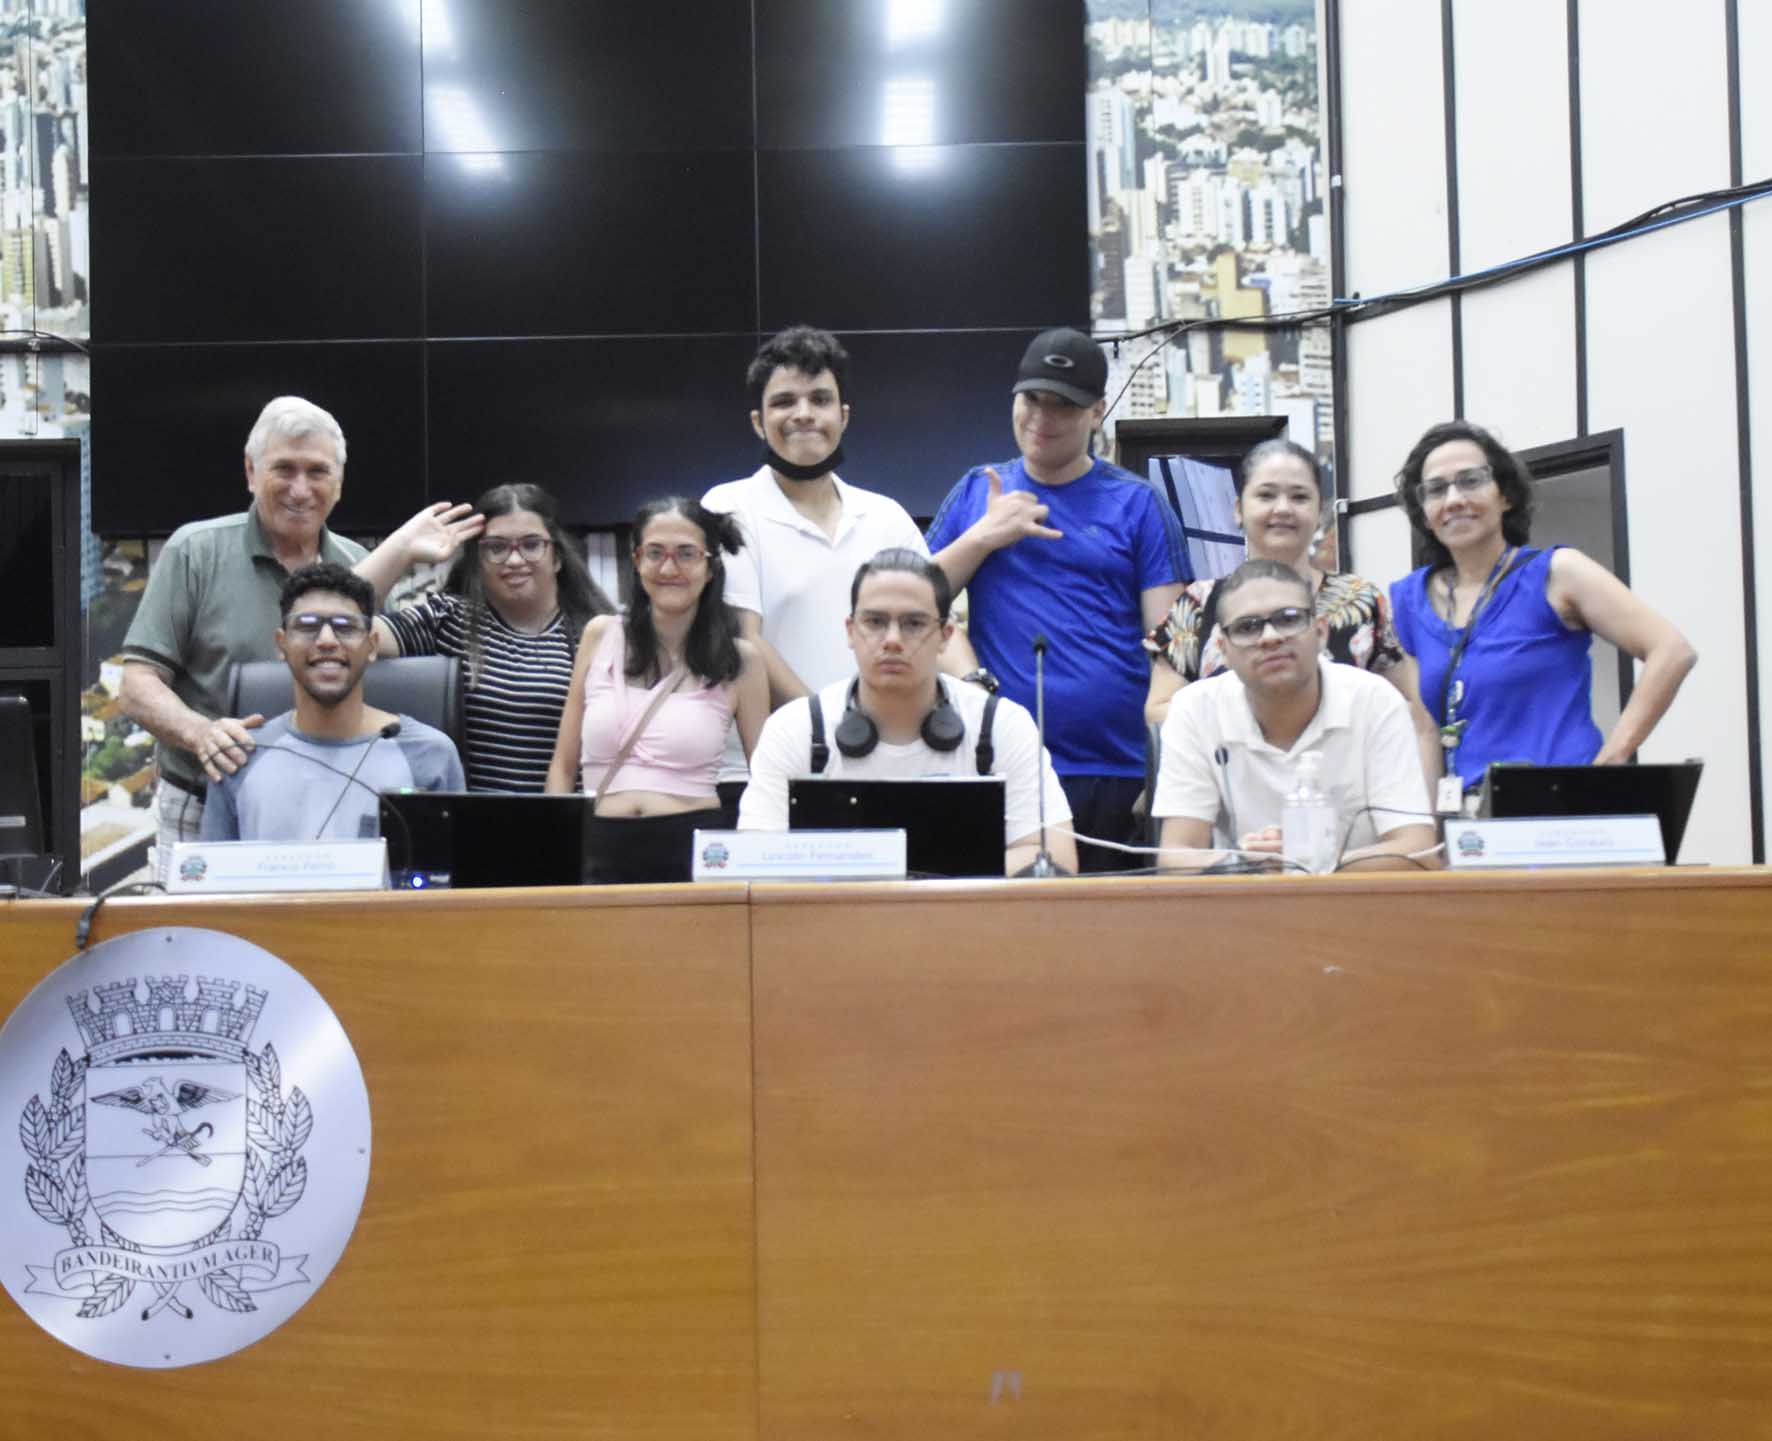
[1501, 631]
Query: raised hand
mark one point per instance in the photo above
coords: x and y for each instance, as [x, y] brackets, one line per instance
[438, 531]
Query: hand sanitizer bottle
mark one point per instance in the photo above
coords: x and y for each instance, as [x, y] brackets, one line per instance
[1307, 822]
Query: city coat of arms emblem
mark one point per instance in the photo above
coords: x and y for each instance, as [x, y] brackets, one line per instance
[172, 1152]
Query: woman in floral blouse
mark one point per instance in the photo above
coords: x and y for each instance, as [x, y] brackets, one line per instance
[1279, 507]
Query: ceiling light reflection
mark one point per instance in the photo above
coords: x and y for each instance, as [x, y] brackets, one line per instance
[435, 32]
[909, 21]
[907, 113]
[454, 122]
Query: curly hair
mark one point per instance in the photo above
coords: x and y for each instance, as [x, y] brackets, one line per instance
[1511, 478]
[327, 575]
[802, 348]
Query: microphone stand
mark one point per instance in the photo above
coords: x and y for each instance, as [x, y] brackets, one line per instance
[1042, 867]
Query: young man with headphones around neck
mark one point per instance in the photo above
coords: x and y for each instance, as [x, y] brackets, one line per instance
[898, 718]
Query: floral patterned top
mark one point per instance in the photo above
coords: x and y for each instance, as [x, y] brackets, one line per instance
[1359, 616]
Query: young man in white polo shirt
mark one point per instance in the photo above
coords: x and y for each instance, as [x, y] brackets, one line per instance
[805, 529]
[1231, 743]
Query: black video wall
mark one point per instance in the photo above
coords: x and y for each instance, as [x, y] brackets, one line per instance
[539, 239]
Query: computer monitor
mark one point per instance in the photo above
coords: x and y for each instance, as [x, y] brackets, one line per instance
[21, 802]
[467, 839]
[1662, 791]
[953, 826]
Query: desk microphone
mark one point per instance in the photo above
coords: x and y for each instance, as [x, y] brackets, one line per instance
[386, 733]
[1042, 865]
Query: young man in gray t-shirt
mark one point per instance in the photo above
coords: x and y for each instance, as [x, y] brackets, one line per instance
[284, 791]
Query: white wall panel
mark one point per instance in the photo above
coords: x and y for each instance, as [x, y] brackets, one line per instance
[1379, 544]
[1394, 144]
[1661, 366]
[1519, 358]
[1511, 80]
[1755, 33]
[1753, 28]
[1400, 383]
[1654, 103]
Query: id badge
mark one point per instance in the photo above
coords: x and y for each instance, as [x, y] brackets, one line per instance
[1450, 796]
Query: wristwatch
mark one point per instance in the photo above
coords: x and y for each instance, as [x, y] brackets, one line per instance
[982, 677]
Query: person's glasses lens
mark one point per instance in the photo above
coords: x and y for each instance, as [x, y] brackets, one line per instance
[345, 627]
[1247, 629]
[530, 547]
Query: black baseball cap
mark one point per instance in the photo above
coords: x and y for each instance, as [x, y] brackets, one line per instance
[1065, 362]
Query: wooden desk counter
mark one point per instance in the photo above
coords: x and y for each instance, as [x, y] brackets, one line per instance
[1391, 1157]
[557, 1240]
[1443, 1156]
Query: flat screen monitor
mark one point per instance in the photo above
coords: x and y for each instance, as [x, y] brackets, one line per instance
[952, 827]
[1662, 791]
[467, 839]
[21, 803]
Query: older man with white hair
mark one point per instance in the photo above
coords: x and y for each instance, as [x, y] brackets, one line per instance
[211, 600]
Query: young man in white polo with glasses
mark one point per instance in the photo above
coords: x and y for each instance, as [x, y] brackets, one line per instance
[316, 772]
[1231, 743]
[899, 718]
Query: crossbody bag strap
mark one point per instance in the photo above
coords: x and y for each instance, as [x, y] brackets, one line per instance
[672, 681]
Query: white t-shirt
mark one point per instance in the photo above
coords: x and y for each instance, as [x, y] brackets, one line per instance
[1212, 749]
[796, 577]
[784, 753]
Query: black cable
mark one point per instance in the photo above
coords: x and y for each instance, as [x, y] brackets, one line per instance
[83, 931]
[1354, 820]
[1356, 308]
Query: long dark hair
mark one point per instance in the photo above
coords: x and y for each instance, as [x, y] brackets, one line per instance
[579, 596]
[1512, 479]
[711, 650]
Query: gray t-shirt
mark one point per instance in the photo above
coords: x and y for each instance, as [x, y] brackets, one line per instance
[211, 600]
[285, 794]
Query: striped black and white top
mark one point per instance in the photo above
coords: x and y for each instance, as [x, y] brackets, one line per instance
[513, 715]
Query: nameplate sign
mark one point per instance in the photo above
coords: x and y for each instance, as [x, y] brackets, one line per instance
[213, 867]
[799, 856]
[1554, 841]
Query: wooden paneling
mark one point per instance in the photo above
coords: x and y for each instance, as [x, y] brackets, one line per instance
[1429, 1157]
[1453, 1158]
[557, 1237]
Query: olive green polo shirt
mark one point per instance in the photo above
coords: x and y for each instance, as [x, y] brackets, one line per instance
[211, 600]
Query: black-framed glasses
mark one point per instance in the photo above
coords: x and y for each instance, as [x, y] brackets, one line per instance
[1468, 482]
[914, 626]
[308, 624]
[498, 550]
[1287, 622]
[687, 557]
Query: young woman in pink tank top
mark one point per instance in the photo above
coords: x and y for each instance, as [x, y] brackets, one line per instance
[675, 676]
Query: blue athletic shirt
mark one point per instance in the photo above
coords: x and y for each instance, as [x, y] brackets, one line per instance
[1082, 592]
[1528, 684]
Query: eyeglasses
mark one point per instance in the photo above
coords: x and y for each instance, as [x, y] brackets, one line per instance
[347, 629]
[913, 627]
[687, 557]
[1287, 622]
[498, 550]
[1469, 482]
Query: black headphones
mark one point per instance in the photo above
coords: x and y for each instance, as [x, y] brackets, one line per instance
[857, 735]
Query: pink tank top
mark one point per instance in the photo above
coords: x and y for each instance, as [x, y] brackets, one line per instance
[679, 755]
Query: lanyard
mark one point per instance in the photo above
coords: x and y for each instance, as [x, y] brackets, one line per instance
[1452, 693]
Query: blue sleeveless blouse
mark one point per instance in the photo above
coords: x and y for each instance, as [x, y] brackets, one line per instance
[1528, 683]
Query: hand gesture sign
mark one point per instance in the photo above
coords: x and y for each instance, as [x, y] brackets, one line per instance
[1011, 516]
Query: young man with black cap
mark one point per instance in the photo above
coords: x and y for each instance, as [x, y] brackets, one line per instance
[1061, 544]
